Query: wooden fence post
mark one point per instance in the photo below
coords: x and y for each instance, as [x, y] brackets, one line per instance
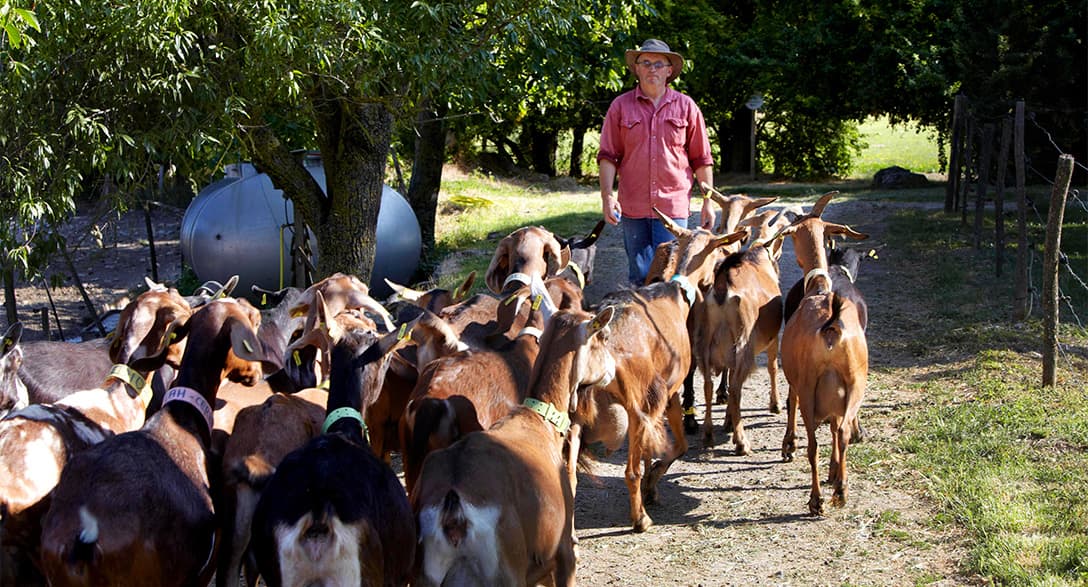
[952, 187]
[999, 197]
[983, 180]
[1020, 307]
[968, 157]
[1050, 267]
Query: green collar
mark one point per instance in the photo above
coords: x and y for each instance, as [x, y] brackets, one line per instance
[551, 415]
[341, 413]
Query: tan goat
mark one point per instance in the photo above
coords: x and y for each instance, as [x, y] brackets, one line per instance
[824, 355]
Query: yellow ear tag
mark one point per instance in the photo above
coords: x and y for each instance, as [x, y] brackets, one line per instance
[173, 336]
[264, 299]
[872, 253]
[322, 326]
[298, 359]
[510, 300]
[246, 344]
[295, 313]
[536, 302]
[404, 332]
[594, 325]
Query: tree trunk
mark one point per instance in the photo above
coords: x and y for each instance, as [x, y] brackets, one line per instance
[427, 171]
[354, 141]
[10, 306]
[577, 147]
[542, 143]
[735, 142]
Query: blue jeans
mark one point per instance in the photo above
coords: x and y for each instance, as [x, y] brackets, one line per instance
[640, 238]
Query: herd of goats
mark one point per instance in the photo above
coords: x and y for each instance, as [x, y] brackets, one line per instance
[208, 439]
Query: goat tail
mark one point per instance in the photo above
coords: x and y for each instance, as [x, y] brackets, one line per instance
[434, 427]
[831, 330]
[453, 520]
[651, 437]
[84, 548]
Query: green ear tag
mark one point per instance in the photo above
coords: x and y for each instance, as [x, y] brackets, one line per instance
[298, 359]
[510, 300]
[404, 332]
[536, 302]
[264, 299]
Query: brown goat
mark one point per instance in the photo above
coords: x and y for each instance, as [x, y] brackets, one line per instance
[741, 317]
[136, 509]
[527, 253]
[36, 442]
[465, 392]
[496, 508]
[13, 394]
[824, 355]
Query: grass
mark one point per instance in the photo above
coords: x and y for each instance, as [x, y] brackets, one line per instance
[1003, 457]
[903, 145]
[475, 211]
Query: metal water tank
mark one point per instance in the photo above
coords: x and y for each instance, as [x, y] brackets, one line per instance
[238, 226]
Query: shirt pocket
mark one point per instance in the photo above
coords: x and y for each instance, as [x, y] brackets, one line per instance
[676, 132]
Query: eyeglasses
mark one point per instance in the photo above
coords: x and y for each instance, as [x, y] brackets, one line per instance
[654, 65]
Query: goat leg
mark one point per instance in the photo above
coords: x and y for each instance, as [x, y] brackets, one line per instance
[789, 439]
[691, 426]
[815, 501]
[772, 373]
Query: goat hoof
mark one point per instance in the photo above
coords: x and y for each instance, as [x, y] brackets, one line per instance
[787, 456]
[643, 524]
[720, 399]
[838, 499]
[775, 409]
[708, 439]
[816, 506]
[690, 425]
[742, 449]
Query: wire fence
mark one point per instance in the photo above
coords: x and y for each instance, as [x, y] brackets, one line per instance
[971, 166]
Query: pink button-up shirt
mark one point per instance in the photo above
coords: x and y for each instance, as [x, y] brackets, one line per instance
[655, 152]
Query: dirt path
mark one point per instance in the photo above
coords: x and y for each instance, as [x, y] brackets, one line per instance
[724, 519]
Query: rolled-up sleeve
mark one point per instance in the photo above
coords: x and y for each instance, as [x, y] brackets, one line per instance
[611, 139]
[698, 142]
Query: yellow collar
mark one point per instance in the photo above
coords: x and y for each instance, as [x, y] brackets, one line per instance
[551, 415]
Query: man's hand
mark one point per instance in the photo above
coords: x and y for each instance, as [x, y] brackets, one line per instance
[706, 215]
[610, 208]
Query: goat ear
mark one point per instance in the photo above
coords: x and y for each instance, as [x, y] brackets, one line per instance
[499, 269]
[600, 321]
[556, 258]
[592, 238]
[759, 203]
[11, 338]
[462, 290]
[677, 230]
[162, 351]
[731, 238]
[844, 230]
[246, 345]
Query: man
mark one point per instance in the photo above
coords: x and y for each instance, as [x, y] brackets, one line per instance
[655, 138]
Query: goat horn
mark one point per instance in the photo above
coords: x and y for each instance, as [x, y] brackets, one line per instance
[818, 207]
[404, 292]
[677, 230]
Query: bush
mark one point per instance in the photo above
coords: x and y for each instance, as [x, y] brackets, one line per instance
[803, 147]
